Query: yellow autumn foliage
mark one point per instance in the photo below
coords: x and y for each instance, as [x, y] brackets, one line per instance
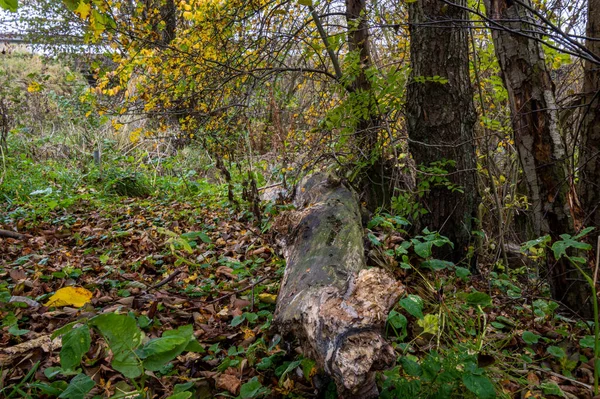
[70, 296]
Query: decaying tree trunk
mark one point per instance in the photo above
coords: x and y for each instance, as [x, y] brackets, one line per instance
[328, 299]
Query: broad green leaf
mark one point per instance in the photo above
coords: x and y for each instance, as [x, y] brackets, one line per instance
[307, 3]
[480, 385]
[556, 352]
[75, 344]
[411, 367]
[551, 388]
[587, 341]
[10, 5]
[479, 299]
[123, 337]
[413, 304]
[559, 248]
[160, 351]
[530, 338]
[79, 386]
[462, 272]
[252, 389]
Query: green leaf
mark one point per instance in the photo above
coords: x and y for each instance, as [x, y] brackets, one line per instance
[479, 299]
[72, 4]
[192, 235]
[530, 338]
[123, 337]
[79, 386]
[550, 388]
[534, 243]
[10, 5]
[462, 272]
[374, 240]
[413, 304]
[160, 351]
[436, 264]
[411, 367]
[559, 248]
[480, 385]
[15, 330]
[307, 3]
[430, 324]
[75, 344]
[252, 389]
[587, 341]
[556, 352]
[180, 395]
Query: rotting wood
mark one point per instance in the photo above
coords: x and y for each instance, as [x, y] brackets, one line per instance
[328, 299]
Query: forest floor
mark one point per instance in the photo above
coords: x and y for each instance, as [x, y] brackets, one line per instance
[169, 262]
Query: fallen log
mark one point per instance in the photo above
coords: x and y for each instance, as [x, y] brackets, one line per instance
[328, 300]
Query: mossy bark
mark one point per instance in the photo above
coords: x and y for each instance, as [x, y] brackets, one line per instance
[328, 299]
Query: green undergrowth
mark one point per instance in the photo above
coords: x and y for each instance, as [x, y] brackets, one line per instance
[120, 228]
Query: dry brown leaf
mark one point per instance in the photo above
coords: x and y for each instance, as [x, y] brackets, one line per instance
[229, 382]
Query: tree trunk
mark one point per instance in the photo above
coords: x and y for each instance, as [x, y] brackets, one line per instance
[589, 166]
[328, 299]
[360, 86]
[538, 140]
[441, 117]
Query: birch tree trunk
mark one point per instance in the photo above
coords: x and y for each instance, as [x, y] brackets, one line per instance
[538, 138]
[328, 300]
[441, 118]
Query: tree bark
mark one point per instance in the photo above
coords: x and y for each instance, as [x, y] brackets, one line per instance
[589, 166]
[441, 119]
[538, 140]
[328, 299]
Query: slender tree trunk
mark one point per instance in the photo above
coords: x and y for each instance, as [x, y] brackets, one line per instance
[538, 139]
[441, 118]
[589, 167]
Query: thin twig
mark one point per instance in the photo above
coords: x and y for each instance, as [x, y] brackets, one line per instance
[12, 234]
[236, 291]
[166, 280]
[572, 380]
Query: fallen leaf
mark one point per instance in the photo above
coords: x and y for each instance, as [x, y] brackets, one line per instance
[267, 298]
[70, 296]
[228, 382]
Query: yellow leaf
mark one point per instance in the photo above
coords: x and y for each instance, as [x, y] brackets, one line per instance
[83, 10]
[70, 296]
[267, 298]
[34, 87]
